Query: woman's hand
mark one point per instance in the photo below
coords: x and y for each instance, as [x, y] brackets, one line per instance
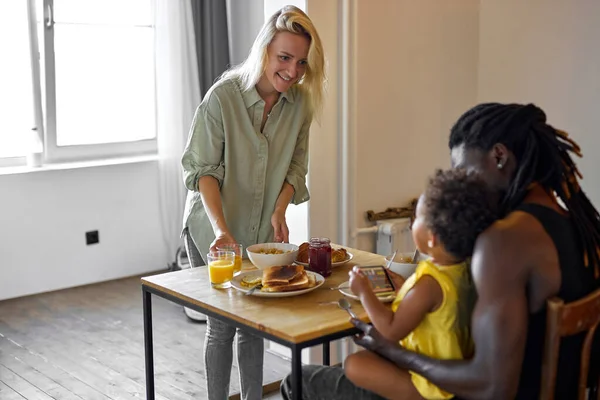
[359, 283]
[221, 239]
[282, 233]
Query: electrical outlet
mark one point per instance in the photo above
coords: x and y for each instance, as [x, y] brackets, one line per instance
[92, 237]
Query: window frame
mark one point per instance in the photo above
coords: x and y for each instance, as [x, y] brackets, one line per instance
[17, 161]
[52, 153]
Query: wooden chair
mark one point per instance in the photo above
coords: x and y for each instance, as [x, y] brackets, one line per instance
[567, 320]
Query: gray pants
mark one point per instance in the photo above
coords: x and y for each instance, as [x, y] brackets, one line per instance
[218, 351]
[218, 357]
[326, 383]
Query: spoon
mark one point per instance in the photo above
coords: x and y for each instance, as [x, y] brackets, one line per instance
[344, 285]
[345, 305]
[415, 256]
[391, 259]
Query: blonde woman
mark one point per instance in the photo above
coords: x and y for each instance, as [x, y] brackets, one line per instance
[245, 161]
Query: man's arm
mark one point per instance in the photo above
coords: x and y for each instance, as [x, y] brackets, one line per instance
[499, 326]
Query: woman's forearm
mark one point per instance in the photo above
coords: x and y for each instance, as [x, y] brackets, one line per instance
[211, 199]
[285, 197]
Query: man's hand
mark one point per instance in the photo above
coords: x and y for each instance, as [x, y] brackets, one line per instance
[370, 338]
[282, 233]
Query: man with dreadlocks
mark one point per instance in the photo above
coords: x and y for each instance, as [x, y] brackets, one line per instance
[540, 249]
[547, 244]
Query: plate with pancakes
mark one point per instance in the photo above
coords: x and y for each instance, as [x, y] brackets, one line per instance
[339, 256]
[279, 281]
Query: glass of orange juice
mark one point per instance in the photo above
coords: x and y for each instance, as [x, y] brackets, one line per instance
[220, 268]
[238, 251]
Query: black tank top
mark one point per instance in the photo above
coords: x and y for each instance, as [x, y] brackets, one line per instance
[576, 282]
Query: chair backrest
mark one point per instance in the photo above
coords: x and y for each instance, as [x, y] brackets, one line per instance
[566, 320]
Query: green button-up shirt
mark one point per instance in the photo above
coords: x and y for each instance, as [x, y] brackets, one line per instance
[225, 142]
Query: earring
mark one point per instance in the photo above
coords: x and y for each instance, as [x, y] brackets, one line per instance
[499, 165]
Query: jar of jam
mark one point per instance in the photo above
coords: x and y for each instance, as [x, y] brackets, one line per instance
[319, 256]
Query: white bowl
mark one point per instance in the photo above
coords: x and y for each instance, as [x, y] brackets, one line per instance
[263, 261]
[403, 268]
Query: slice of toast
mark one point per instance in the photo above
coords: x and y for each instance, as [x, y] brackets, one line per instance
[305, 281]
[281, 275]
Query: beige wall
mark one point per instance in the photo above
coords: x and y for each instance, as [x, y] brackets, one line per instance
[546, 52]
[412, 70]
[416, 72]
[418, 66]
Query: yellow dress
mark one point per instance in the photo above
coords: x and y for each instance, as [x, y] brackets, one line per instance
[444, 333]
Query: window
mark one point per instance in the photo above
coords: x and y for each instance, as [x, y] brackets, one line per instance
[16, 95]
[97, 80]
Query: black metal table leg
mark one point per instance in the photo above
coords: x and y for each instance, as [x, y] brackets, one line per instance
[326, 354]
[149, 356]
[296, 373]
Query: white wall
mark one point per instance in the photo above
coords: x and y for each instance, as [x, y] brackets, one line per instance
[415, 74]
[44, 216]
[271, 6]
[245, 18]
[546, 52]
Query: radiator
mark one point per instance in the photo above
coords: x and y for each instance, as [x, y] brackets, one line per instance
[392, 235]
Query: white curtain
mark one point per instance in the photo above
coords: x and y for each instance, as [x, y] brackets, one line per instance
[177, 96]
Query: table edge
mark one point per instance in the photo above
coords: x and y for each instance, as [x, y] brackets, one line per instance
[292, 340]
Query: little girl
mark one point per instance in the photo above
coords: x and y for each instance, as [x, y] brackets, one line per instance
[432, 311]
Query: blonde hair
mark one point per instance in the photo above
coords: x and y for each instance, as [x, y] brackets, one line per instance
[288, 19]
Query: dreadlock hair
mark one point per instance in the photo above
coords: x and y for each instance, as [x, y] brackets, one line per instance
[543, 156]
[458, 207]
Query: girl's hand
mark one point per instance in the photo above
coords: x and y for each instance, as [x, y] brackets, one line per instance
[397, 280]
[282, 233]
[221, 239]
[359, 283]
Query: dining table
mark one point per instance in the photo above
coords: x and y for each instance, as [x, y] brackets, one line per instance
[296, 322]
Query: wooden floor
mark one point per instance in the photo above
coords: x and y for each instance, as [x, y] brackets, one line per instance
[87, 343]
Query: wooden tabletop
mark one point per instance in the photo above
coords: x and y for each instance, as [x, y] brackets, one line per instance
[294, 319]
